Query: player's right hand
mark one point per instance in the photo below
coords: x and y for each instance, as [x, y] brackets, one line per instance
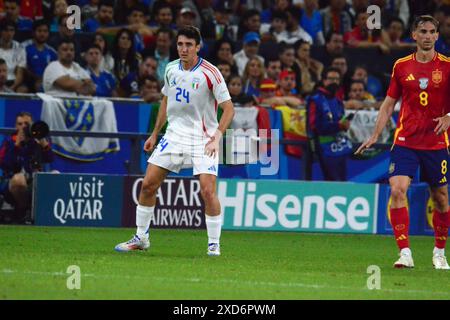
[150, 143]
[366, 145]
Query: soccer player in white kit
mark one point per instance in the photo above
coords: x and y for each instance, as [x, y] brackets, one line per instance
[193, 89]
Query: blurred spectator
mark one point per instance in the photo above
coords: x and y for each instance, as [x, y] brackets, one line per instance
[65, 33]
[14, 55]
[163, 16]
[164, 38]
[66, 77]
[443, 43]
[273, 69]
[185, 17]
[20, 157]
[250, 22]
[311, 21]
[280, 6]
[334, 46]
[107, 62]
[129, 85]
[149, 89]
[59, 11]
[336, 18]
[359, 98]
[277, 26]
[3, 75]
[249, 50]
[31, 9]
[395, 31]
[221, 26]
[235, 87]
[39, 54]
[225, 69]
[294, 31]
[103, 17]
[327, 122]
[356, 7]
[287, 84]
[105, 84]
[253, 75]
[203, 10]
[310, 68]
[373, 85]
[126, 60]
[12, 13]
[223, 51]
[363, 37]
[441, 13]
[122, 9]
[340, 63]
[286, 54]
[391, 9]
[268, 96]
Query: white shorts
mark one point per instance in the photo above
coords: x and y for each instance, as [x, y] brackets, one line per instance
[173, 156]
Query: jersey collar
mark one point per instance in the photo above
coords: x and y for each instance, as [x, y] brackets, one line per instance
[199, 62]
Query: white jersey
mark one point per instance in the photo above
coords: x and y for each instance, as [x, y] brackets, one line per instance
[192, 100]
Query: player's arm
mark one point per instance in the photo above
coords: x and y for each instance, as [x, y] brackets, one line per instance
[384, 115]
[212, 147]
[160, 121]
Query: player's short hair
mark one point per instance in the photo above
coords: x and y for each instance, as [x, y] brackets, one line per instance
[422, 19]
[190, 32]
[39, 23]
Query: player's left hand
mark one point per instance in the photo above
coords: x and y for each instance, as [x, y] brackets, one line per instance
[442, 124]
[213, 146]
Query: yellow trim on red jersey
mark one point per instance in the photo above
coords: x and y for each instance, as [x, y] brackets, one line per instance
[446, 139]
[443, 58]
[404, 59]
[397, 131]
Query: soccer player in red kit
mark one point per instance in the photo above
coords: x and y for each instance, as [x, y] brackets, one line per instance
[421, 80]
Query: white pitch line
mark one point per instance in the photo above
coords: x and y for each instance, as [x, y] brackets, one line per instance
[231, 281]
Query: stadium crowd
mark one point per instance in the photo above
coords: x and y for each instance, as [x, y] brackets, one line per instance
[123, 46]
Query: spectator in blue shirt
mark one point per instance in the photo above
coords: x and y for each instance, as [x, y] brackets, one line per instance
[39, 54]
[443, 43]
[129, 86]
[280, 5]
[104, 81]
[12, 10]
[103, 18]
[311, 21]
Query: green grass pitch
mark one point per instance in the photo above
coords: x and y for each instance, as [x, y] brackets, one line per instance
[253, 265]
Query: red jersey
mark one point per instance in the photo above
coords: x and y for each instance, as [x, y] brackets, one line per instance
[425, 92]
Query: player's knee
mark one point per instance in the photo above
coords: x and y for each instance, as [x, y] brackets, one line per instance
[149, 187]
[398, 192]
[208, 193]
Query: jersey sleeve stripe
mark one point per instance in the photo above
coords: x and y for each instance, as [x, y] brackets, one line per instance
[214, 71]
[208, 81]
[210, 70]
[407, 58]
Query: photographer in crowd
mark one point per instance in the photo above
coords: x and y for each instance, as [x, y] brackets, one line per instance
[22, 154]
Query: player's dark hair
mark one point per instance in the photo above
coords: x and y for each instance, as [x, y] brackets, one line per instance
[422, 19]
[39, 23]
[190, 32]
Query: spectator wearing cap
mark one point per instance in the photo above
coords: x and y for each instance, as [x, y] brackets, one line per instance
[14, 55]
[39, 54]
[268, 89]
[220, 27]
[249, 50]
[12, 13]
[103, 18]
[294, 31]
[287, 84]
[253, 75]
[185, 17]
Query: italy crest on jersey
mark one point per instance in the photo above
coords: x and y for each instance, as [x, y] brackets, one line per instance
[195, 83]
[423, 83]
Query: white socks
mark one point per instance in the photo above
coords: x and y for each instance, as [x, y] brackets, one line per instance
[213, 227]
[406, 251]
[143, 217]
[437, 251]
